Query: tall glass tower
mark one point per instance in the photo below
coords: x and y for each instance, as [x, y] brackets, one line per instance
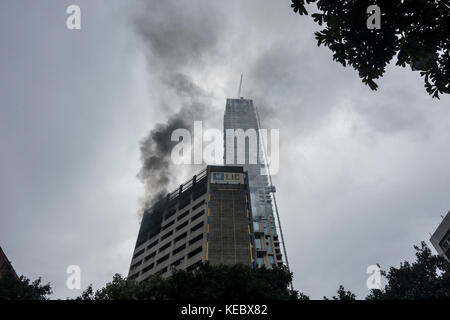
[241, 114]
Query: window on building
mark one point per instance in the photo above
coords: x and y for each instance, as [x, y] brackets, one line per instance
[184, 214]
[273, 227]
[260, 262]
[198, 215]
[179, 249]
[271, 261]
[161, 260]
[194, 252]
[164, 247]
[181, 226]
[446, 245]
[151, 245]
[150, 256]
[137, 264]
[445, 242]
[137, 254]
[196, 227]
[196, 239]
[180, 237]
[269, 244]
[168, 234]
[168, 225]
[148, 268]
[258, 243]
[163, 270]
[198, 205]
[177, 263]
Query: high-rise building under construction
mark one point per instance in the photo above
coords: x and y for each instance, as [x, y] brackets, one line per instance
[208, 218]
[223, 215]
[241, 114]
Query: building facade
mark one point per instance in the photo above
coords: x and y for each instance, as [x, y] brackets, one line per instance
[241, 114]
[441, 238]
[5, 265]
[208, 218]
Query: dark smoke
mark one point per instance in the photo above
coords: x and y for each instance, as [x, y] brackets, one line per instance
[178, 45]
[155, 157]
[158, 172]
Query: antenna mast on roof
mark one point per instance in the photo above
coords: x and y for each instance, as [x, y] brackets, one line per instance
[240, 87]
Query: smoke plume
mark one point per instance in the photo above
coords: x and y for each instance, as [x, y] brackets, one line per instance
[157, 171]
[179, 46]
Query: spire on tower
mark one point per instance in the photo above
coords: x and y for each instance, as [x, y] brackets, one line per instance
[240, 87]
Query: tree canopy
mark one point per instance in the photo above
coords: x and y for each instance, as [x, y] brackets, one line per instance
[426, 278]
[13, 288]
[343, 295]
[206, 282]
[417, 32]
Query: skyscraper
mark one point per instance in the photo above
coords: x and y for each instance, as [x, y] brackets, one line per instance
[241, 114]
[208, 218]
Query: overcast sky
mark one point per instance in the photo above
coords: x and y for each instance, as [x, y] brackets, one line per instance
[363, 175]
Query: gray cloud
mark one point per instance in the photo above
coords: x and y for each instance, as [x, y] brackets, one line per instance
[180, 34]
[364, 175]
